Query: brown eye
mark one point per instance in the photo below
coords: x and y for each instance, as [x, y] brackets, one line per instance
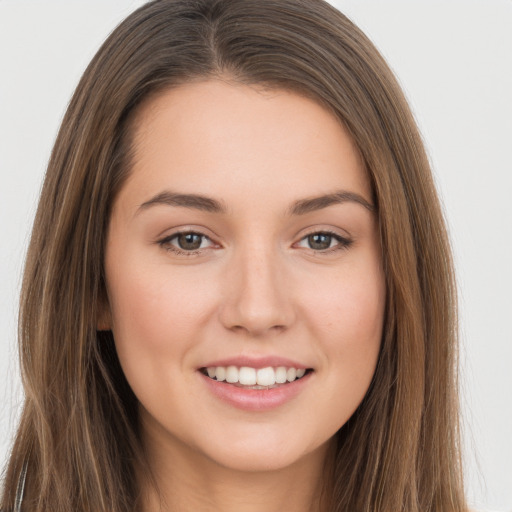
[319, 241]
[186, 243]
[189, 241]
[324, 241]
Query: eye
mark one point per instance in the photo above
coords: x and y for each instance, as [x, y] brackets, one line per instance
[324, 241]
[186, 242]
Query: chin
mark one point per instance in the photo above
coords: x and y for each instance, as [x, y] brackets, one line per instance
[263, 455]
[255, 463]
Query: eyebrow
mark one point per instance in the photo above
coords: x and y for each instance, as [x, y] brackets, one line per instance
[210, 205]
[193, 201]
[312, 204]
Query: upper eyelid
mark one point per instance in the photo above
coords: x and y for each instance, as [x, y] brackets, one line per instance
[185, 232]
[343, 238]
[165, 235]
[331, 230]
[167, 239]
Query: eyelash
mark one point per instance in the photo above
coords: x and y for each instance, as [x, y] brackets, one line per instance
[166, 243]
[343, 243]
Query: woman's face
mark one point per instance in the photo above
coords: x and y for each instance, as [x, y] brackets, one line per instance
[244, 238]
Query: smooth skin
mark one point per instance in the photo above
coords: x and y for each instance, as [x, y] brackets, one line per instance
[250, 268]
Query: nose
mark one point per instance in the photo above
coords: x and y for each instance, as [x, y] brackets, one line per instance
[257, 297]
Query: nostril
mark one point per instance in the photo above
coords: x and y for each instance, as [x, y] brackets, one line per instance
[256, 305]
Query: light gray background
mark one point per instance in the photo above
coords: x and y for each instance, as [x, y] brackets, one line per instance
[453, 58]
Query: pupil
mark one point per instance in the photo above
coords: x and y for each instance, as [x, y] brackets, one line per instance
[319, 241]
[189, 241]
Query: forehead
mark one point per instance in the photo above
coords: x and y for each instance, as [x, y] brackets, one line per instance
[216, 138]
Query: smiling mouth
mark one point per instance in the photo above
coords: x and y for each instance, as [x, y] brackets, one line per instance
[255, 378]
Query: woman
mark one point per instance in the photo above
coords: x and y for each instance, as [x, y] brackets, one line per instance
[239, 292]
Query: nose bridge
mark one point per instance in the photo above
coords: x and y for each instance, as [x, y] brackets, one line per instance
[257, 301]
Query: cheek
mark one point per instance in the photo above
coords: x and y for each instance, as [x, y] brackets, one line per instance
[346, 316]
[156, 317]
[350, 307]
[150, 299]
[156, 322]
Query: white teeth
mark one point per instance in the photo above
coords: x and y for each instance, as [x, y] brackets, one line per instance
[247, 376]
[281, 375]
[266, 377]
[291, 374]
[231, 374]
[262, 378]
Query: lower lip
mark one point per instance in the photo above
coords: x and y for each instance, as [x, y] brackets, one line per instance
[256, 399]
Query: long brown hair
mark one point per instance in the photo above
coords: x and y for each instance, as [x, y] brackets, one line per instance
[78, 436]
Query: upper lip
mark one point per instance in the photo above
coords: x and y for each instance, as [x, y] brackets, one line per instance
[256, 362]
